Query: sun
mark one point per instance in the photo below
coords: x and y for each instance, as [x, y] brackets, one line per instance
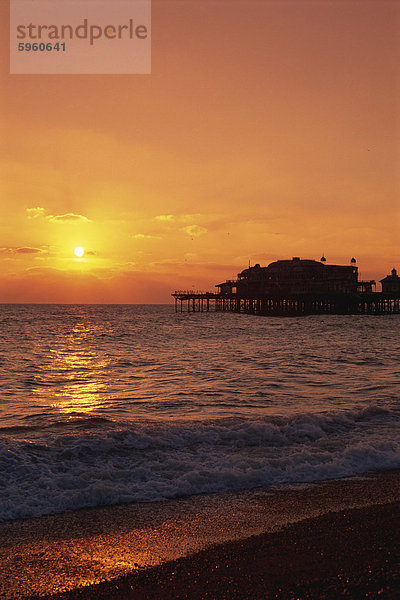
[79, 251]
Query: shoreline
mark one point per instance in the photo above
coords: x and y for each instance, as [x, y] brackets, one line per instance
[114, 547]
[335, 555]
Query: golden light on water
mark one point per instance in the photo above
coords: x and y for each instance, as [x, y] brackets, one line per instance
[79, 251]
[82, 372]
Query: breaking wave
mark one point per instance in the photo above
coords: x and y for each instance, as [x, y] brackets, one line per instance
[59, 471]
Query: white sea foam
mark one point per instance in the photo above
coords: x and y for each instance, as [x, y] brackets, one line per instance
[51, 473]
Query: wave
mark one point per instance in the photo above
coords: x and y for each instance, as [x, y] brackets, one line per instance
[70, 423]
[145, 462]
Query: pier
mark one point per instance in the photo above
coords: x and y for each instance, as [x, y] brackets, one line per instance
[297, 287]
[374, 303]
[195, 301]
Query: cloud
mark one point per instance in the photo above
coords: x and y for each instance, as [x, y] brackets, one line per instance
[34, 213]
[67, 218]
[39, 211]
[144, 236]
[28, 250]
[20, 250]
[165, 218]
[184, 218]
[194, 230]
[44, 270]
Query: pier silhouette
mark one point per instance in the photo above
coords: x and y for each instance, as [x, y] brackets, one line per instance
[296, 287]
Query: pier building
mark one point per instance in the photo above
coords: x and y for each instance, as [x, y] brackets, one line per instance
[295, 276]
[391, 283]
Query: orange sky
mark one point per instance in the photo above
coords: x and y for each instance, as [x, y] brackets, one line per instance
[267, 129]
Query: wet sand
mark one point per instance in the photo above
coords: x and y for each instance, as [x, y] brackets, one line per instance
[327, 540]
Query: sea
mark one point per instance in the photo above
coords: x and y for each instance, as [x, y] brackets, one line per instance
[107, 404]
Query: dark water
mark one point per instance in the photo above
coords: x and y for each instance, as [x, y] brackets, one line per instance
[106, 404]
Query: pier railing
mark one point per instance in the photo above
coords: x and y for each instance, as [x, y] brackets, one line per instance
[191, 293]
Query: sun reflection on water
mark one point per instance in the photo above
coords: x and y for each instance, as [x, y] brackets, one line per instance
[82, 373]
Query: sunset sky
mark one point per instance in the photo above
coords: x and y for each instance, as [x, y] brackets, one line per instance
[267, 129]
